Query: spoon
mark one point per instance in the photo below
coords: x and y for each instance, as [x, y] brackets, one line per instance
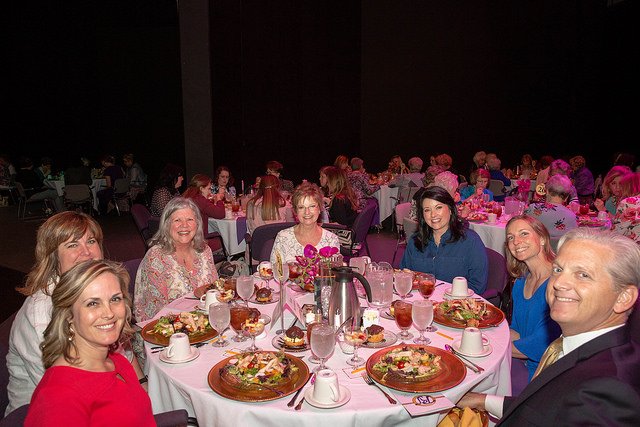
[475, 368]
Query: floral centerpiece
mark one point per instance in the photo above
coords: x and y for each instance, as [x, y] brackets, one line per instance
[524, 185]
[306, 267]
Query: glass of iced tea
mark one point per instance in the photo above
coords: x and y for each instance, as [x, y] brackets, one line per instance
[402, 313]
[239, 313]
[426, 284]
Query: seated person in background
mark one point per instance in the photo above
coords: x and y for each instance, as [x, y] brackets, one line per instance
[64, 240]
[591, 293]
[111, 173]
[560, 167]
[479, 182]
[44, 170]
[611, 189]
[79, 173]
[397, 166]
[34, 186]
[222, 187]
[545, 163]
[290, 242]
[136, 176]
[342, 163]
[443, 245]
[627, 218]
[413, 179]
[168, 187]
[553, 212]
[86, 382]
[526, 169]
[479, 162]
[267, 206]
[340, 200]
[359, 182]
[582, 179]
[446, 161]
[494, 163]
[178, 261]
[274, 168]
[7, 179]
[199, 190]
[529, 260]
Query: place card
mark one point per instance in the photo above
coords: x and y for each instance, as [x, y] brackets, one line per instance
[355, 373]
[417, 404]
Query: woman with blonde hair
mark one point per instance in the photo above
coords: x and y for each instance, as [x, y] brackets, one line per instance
[611, 189]
[87, 382]
[267, 206]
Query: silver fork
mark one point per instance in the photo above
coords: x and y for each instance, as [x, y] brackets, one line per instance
[367, 379]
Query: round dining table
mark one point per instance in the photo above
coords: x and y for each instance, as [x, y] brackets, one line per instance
[178, 386]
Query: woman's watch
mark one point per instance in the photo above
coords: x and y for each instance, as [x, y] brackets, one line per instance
[143, 379]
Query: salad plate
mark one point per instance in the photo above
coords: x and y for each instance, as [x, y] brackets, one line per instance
[159, 331]
[442, 372]
[460, 314]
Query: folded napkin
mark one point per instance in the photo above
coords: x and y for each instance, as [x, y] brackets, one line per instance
[466, 417]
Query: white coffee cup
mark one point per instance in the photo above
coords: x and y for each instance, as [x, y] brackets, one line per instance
[492, 218]
[473, 341]
[459, 287]
[179, 346]
[602, 215]
[210, 297]
[326, 388]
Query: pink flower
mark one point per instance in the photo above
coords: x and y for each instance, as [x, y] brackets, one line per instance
[328, 251]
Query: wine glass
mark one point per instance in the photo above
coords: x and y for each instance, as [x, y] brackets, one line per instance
[355, 335]
[238, 316]
[404, 282]
[323, 341]
[219, 318]
[402, 314]
[422, 315]
[244, 287]
[426, 284]
[253, 329]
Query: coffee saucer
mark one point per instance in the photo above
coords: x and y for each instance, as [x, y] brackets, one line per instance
[344, 393]
[486, 349]
[448, 295]
[194, 354]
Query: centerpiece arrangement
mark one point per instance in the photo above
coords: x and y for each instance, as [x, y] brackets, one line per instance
[307, 267]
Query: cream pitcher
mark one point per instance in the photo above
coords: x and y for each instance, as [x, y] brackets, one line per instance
[344, 303]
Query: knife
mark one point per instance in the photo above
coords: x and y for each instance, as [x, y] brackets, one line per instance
[295, 396]
[475, 368]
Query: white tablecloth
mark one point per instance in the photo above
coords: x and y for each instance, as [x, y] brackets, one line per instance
[228, 228]
[176, 386]
[96, 185]
[492, 235]
[386, 197]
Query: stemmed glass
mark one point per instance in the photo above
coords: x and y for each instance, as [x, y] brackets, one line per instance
[323, 342]
[403, 282]
[281, 277]
[355, 335]
[219, 318]
[402, 314]
[244, 287]
[253, 329]
[422, 315]
[238, 315]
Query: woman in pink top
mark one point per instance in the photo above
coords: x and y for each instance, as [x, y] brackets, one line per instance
[86, 382]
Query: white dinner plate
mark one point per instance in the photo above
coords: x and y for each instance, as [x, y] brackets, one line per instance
[487, 349]
[194, 354]
[344, 393]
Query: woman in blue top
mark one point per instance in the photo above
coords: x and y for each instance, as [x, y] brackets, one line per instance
[480, 181]
[530, 258]
[443, 245]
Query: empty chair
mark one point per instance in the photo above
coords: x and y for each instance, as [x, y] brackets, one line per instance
[497, 188]
[132, 268]
[24, 201]
[121, 198]
[401, 212]
[146, 223]
[359, 231]
[260, 242]
[79, 196]
[498, 277]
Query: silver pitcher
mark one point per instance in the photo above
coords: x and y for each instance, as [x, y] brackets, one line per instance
[344, 302]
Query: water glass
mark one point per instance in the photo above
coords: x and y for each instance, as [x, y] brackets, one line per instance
[323, 341]
[244, 287]
[422, 316]
[381, 282]
[219, 318]
[404, 283]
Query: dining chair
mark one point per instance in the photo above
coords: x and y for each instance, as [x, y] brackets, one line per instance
[497, 187]
[79, 196]
[24, 201]
[401, 212]
[359, 231]
[146, 223]
[5, 331]
[121, 195]
[260, 242]
[498, 277]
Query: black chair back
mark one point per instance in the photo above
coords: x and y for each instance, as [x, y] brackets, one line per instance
[498, 277]
[261, 241]
[5, 332]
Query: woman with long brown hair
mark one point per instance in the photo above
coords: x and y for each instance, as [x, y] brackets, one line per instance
[340, 199]
[267, 206]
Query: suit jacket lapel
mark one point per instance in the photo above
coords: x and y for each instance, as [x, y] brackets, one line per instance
[610, 339]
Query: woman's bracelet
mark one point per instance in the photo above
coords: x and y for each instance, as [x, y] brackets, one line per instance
[143, 379]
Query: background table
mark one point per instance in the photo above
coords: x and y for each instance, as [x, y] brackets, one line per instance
[387, 198]
[492, 235]
[232, 232]
[176, 386]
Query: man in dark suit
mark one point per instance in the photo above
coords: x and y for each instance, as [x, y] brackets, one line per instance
[596, 380]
